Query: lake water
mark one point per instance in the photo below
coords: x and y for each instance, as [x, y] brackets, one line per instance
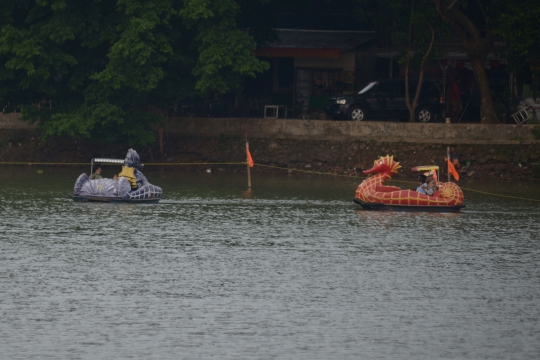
[292, 271]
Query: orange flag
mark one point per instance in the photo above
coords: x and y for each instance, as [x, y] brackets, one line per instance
[452, 170]
[249, 158]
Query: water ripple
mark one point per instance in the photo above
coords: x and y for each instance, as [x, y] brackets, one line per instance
[291, 272]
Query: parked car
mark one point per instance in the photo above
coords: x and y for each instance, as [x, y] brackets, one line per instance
[386, 99]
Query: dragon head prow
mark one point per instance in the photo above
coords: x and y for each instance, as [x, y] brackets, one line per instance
[385, 164]
[133, 160]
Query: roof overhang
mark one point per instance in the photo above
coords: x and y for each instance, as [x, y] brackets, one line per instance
[298, 52]
[315, 43]
[450, 50]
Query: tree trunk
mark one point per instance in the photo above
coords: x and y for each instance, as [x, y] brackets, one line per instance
[487, 110]
[412, 115]
[412, 107]
[407, 98]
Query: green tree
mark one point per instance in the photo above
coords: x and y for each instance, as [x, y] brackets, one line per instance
[472, 21]
[423, 31]
[413, 26]
[93, 68]
[477, 39]
[517, 25]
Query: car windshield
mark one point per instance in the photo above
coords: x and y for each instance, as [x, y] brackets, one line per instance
[368, 87]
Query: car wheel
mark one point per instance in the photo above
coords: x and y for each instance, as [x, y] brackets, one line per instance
[357, 113]
[424, 114]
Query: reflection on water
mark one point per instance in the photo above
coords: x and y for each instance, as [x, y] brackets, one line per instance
[290, 270]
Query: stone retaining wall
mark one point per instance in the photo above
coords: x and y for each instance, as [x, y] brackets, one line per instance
[354, 131]
[508, 161]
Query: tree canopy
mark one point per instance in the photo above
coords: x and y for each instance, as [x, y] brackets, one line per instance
[93, 68]
[106, 69]
[517, 26]
[479, 24]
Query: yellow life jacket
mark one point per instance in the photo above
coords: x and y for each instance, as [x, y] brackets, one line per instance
[129, 174]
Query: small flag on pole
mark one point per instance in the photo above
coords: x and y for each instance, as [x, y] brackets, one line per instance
[452, 170]
[249, 158]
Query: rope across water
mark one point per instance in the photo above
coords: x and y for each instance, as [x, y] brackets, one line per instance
[264, 166]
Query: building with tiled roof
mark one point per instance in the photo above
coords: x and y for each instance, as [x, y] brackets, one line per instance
[307, 66]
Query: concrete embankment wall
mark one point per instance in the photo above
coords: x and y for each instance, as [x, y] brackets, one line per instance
[354, 131]
[334, 130]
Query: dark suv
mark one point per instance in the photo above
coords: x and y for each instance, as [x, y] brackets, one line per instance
[386, 99]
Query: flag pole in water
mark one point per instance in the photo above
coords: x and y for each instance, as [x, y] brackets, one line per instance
[250, 164]
[249, 161]
[451, 168]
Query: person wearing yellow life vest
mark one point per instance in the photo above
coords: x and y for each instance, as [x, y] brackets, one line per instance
[129, 174]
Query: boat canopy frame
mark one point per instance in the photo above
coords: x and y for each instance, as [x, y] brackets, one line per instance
[429, 168]
[425, 168]
[105, 161]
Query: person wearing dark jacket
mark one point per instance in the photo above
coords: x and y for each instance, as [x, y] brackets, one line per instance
[97, 174]
[454, 157]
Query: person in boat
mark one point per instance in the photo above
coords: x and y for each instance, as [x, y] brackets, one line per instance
[129, 174]
[423, 185]
[431, 185]
[97, 174]
[454, 157]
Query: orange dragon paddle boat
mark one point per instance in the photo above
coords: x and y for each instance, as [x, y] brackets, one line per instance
[372, 194]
